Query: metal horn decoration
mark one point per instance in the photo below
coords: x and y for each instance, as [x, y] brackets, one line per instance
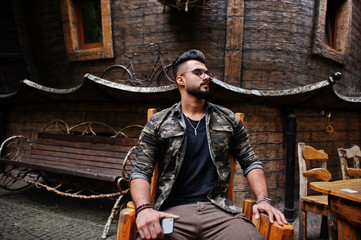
[183, 4]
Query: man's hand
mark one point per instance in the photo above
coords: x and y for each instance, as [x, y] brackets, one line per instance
[272, 212]
[148, 223]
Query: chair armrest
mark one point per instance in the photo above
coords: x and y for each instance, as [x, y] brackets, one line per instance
[126, 224]
[270, 231]
[318, 173]
[354, 172]
[247, 207]
[273, 231]
[127, 229]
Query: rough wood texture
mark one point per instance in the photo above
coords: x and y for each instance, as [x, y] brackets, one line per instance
[264, 124]
[270, 58]
[94, 157]
[353, 154]
[349, 218]
[344, 204]
[234, 41]
[340, 188]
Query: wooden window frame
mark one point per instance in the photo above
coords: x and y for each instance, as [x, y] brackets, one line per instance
[331, 17]
[71, 33]
[340, 43]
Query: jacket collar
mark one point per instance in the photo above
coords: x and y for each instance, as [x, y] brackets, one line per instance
[177, 109]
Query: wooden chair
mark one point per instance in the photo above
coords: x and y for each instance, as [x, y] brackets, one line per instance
[270, 231]
[127, 227]
[353, 153]
[317, 204]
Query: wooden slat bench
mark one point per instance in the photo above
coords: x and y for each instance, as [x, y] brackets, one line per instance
[74, 156]
[94, 157]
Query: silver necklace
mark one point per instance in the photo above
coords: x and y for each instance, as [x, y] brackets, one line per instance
[195, 128]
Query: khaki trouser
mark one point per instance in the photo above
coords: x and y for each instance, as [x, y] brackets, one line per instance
[204, 220]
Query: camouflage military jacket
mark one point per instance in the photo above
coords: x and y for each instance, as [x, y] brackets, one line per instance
[164, 138]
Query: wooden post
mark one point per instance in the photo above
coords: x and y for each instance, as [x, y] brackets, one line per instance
[154, 182]
[233, 168]
[247, 208]
[126, 225]
[151, 111]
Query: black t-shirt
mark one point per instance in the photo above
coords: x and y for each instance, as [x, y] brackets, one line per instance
[198, 174]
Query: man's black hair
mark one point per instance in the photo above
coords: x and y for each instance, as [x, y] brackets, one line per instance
[189, 55]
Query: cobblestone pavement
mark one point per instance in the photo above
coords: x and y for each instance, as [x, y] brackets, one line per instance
[313, 227]
[38, 214]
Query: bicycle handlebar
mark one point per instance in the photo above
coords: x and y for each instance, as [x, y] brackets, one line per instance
[152, 44]
[133, 54]
[156, 46]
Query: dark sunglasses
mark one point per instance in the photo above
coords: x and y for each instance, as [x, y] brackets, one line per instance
[200, 73]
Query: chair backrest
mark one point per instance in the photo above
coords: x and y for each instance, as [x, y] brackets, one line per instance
[308, 153]
[154, 181]
[233, 168]
[353, 153]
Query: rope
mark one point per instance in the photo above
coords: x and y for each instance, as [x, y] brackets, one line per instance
[51, 189]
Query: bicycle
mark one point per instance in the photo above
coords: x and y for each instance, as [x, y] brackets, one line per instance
[126, 74]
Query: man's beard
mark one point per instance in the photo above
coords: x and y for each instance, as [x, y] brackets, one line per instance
[196, 92]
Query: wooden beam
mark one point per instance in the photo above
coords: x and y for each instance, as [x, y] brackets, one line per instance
[234, 41]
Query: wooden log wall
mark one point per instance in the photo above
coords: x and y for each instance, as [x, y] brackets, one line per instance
[265, 125]
[276, 41]
[253, 44]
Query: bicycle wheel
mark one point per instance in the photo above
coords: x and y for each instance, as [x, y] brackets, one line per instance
[117, 74]
[165, 76]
